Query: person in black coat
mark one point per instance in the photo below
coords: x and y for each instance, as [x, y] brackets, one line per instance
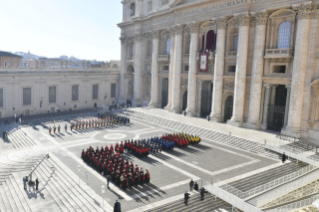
[117, 206]
[191, 184]
[196, 186]
[202, 192]
[37, 184]
[186, 197]
[283, 157]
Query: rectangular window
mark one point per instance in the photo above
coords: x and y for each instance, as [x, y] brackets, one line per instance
[165, 68]
[95, 91]
[1, 97]
[132, 7]
[113, 90]
[232, 69]
[186, 68]
[52, 94]
[26, 96]
[235, 42]
[75, 93]
[280, 69]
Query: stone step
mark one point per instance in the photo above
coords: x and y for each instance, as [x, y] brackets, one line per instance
[9, 197]
[57, 196]
[56, 181]
[70, 188]
[209, 202]
[2, 204]
[26, 137]
[20, 191]
[89, 200]
[14, 194]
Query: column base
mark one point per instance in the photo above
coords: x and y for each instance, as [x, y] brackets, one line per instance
[176, 110]
[190, 113]
[136, 103]
[234, 122]
[290, 131]
[264, 126]
[216, 118]
[152, 105]
[252, 125]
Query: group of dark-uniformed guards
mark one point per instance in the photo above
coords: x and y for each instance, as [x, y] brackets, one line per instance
[123, 173]
[182, 139]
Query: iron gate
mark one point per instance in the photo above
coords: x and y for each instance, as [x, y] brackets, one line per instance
[164, 92]
[276, 116]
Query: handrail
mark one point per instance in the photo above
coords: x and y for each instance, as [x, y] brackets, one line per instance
[295, 205]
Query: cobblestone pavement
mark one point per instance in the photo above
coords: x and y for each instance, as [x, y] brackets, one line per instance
[170, 171]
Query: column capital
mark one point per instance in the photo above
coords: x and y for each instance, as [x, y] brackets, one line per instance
[306, 10]
[267, 85]
[261, 17]
[193, 26]
[178, 29]
[171, 31]
[243, 19]
[220, 22]
[155, 34]
[123, 40]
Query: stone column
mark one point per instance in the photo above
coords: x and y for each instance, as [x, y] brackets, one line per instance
[137, 100]
[293, 127]
[123, 70]
[253, 121]
[217, 95]
[171, 70]
[154, 80]
[287, 104]
[191, 93]
[176, 107]
[199, 99]
[241, 68]
[266, 104]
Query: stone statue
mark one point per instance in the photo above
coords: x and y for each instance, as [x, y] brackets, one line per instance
[15, 63]
[66, 64]
[103, 64]
[42, 64]
[8, 64]
[37, 64]
[61, 63]
[87, 64]
[83, 64]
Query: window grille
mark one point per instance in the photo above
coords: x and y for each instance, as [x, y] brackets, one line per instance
[95, 91]
[113, 90]
[1, 97]
[52, 94]
[168, 46]
[75, 93]
[284, 35]
[235, 43]
[26, 96]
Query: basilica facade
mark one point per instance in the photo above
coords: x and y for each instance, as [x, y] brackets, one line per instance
[248, 63]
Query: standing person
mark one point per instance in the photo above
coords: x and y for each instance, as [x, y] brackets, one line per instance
[24, 183]
[117, 206]
[283, 158]
[108, 178]
[196, 186]
[186, 197]
[37, 184]
[202, 192]
[191, 184]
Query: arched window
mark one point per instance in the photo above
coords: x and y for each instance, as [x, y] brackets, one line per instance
[210, 40]
[284, 35]
[168, 46]
[132, 50]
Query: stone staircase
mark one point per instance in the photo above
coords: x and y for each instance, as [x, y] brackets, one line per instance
[210, 203]
[210, 134]
[17, 136]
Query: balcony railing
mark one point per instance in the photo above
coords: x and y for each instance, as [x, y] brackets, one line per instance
[164, 57]
[277, 53]
[232, 53]
[186, 57]
[210, 57]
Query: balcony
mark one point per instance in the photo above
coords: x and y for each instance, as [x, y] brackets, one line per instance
[163, 58]
[210, 57]
[278, 53]
[232, 54]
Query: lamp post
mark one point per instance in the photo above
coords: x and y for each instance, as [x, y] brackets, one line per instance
[79, 169]
[103, 191]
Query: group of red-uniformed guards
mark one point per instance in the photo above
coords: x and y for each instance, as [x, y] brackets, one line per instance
[123, 173]
[133, 147]
[182, 139]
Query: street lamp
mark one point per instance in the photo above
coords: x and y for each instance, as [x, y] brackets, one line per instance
[79, 169]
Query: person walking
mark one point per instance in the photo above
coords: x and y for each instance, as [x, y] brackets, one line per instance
[117, 206]
[24, 183]
[202, 192]
[283, 158]
[191, 184]
[108, 178]
[186, 197]
[36, 184]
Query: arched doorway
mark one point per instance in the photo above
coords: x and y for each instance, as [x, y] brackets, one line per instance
[164, 92]
[228, 108]
[276, 108]
[184, 101]
[206, 99]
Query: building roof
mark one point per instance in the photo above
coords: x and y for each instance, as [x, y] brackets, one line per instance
[8, 54]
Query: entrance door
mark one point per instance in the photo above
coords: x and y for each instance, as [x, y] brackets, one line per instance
[164, 92]
[228, 108]
[276, 112]
[206, 99]
[184, 101]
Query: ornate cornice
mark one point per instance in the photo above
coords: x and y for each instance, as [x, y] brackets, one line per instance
[178, 29]
[221, 23]
[261, 17]
[306, 10]
[155, 34]
[193, 27]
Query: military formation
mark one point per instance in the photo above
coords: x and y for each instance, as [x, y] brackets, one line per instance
[106, 119]
[182, 139]
[122, 172]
